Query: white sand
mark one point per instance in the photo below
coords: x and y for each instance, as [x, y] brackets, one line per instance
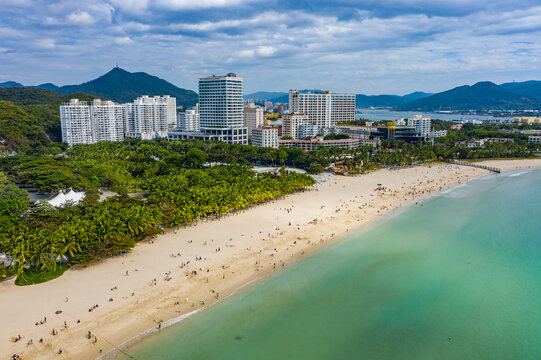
[340, 205]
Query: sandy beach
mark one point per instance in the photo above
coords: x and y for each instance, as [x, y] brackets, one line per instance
[186, 269]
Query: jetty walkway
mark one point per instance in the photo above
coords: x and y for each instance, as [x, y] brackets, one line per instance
[464, 163]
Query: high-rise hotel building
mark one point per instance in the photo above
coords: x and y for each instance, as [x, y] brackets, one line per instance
[324, 109]
[221, 108]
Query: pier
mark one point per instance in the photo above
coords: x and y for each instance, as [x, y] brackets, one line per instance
[464, 163]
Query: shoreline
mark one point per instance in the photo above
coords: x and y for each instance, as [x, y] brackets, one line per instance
[126, 323]
[121, 348]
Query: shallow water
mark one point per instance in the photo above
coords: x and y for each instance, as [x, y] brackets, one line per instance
[466, 265]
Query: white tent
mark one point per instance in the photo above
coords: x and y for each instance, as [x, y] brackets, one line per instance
[62, 198]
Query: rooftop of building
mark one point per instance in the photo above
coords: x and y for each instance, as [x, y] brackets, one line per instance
[220, 77]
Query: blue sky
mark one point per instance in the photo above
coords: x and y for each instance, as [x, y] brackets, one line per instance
[371, 46]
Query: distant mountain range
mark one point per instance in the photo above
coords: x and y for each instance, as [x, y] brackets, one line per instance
[122, 86]
[361, 100]
[484, 95]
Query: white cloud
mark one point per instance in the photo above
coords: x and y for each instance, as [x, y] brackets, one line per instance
[123, 40]
[266, 50]
[80, 18]
[45, 44]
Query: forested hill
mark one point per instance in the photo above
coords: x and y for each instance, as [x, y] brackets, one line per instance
[29, 117]
[36, 96]
[481, 96]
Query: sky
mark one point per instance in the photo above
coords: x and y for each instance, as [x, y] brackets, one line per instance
[369, 46]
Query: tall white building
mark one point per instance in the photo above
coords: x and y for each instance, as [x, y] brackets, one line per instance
[107, 121]
[324, 109]
[421, 123]
[189, 120]
[76, 123]
[291, 124]
[148, 117]
[221, 108]
[253, 117]
[220, 102]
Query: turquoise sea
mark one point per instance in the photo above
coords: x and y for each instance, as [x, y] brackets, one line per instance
[464, 265]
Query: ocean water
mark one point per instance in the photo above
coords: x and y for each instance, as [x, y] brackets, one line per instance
[380, 114]
[465, 265]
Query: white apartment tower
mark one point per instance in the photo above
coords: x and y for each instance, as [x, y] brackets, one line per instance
[421, 123]
[253, 117]
[324, 109]
[107, 121]
[148, 117]
[76, 123]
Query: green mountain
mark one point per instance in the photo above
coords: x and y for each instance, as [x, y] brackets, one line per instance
[10, 84]
[481, 96]
[416, 95]
[531, 88]
[123, 86]
[37, 96]
[265, 95]
[366, 101]
[47, 86]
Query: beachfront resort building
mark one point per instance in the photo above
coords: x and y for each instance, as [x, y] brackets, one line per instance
[534, 139]
[221, 111]
[253, 117]
[148, 117]
[324, 109]
[75, 123]
[421, 124]
[265, 136]
[319, 141]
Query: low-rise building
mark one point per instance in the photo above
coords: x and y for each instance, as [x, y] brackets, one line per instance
[482, 142]
[230, 136]
[319, 141]
[528, 119]
[265, 136]
[307, 131]
[440, 133]
[534, 139]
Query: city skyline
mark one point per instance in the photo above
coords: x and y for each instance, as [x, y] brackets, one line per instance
[396, 47]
